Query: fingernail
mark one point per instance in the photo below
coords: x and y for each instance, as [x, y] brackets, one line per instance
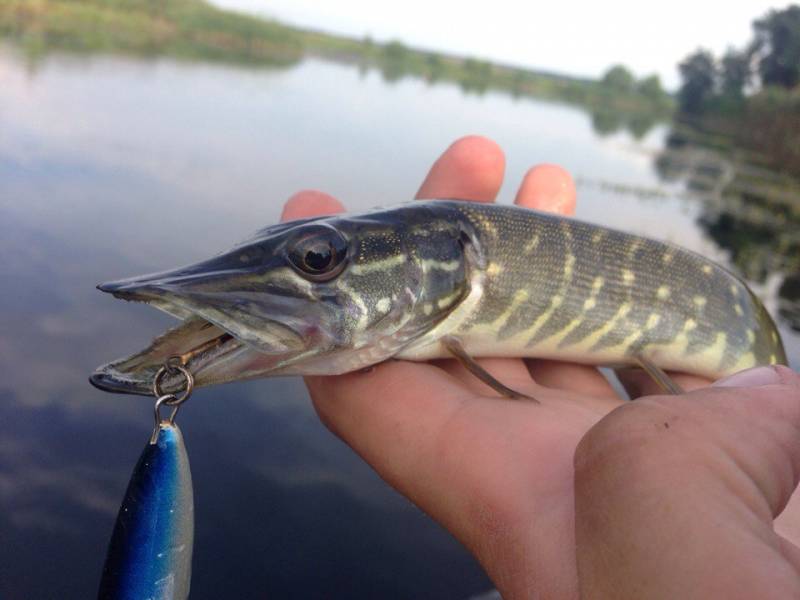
[750, 378]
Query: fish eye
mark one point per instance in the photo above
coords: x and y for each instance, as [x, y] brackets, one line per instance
[318, 255]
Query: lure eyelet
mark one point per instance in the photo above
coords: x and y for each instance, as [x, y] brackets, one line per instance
[171, 369]
[167, 399]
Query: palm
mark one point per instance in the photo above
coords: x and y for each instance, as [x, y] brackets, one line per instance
[430, 428]
[498, 473]
[508, 463]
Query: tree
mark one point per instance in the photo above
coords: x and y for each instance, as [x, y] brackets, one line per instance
[699, 76]
[650, 87]
[395, 51]
[619, 78]
[476, 75]
[735, 73]
[435, 66]
[777, 46]
[394, 63]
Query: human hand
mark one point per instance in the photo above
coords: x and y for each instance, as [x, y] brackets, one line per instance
[677, 496]
[498, 474]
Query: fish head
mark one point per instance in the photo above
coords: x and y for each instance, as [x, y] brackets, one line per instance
[317, 296]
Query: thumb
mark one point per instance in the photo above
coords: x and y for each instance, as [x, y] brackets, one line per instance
[676, 496]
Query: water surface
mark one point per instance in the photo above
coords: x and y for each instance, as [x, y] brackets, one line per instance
[112, 167]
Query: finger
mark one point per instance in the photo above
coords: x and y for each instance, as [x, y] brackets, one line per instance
[638, 383]
[581, 379]
[549, 188]
[310, 203]
[788, 522]
[678, 493]
[472, 168]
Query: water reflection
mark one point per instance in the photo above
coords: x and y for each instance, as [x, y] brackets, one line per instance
[112, 167]
[789, 307]
[751, 212]
[607, 120]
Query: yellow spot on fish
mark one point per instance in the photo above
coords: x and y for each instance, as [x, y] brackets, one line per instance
[383, 305]
[566, 229]
[663, 292]
[427, 308]
[555, 302]
[598, 237]
[707, 269]
[591, 301]
[568, 267]
[363, 311]
[628, 277]
[700, 301]
[494, 269]
[623, 311]
[378, 265]
[745, 362]
[678, 346]
[449, 266]
[751, 336]
[588, 305]
[734, 290]
[738, 310]
[519, 297]
[773, 359]
[716, 351]
[532, 245]
[652, 321]
[635, 245]
[448, 300]
[667, 257]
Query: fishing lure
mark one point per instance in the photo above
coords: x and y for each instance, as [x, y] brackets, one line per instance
[150, 554]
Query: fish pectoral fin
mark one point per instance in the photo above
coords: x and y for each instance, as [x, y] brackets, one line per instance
[454, 346]
[664, 381]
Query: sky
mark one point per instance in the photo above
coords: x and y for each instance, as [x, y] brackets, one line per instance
[564, 36]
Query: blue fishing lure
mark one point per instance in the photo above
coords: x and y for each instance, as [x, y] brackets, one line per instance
[150, 554]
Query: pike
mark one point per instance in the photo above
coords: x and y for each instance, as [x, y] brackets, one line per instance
[433, 279]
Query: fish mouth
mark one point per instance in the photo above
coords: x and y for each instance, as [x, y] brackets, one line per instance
[219, 339]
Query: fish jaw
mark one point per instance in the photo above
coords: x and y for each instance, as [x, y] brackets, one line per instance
[262, 309]
[232, 329]
[222, 361]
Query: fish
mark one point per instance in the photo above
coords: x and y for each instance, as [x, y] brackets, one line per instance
[150, 553]
[437, 278]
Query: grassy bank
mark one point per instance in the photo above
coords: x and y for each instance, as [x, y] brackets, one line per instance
[182, 28]
[195, 29]
[767, 123]
[395, 61]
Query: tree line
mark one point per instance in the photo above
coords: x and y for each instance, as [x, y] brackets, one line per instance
[771, 60]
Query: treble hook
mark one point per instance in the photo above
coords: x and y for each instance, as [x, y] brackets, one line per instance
[169, 399]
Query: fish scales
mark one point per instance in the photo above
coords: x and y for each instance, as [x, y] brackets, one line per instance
[334, 294]
[562, 288]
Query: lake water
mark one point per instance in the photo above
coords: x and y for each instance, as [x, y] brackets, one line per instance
[112, 167]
